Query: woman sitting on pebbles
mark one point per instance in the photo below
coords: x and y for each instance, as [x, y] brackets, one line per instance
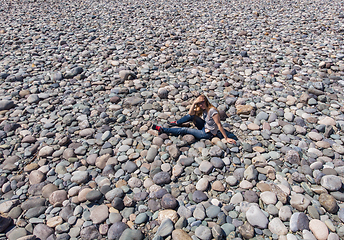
[208, 127]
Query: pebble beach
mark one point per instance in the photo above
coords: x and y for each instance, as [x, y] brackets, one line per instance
[82, 82]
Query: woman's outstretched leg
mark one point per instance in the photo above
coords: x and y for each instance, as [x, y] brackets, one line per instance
[199, 122]
[229, 134]
[199, 134]
[186, 118]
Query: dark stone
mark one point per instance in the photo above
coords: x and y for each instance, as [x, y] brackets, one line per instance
[244, 54]
[163, 93]
[10, 127]
[14, 78]
[221, 218]
[3, 76]
[116, 230]
[162, 178]
[328, 131]
[90, 232]
[117, 203]
[160, 193]
[169, 202]
[199, 196]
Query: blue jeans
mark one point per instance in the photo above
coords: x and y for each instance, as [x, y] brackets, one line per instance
[198, 133]
[229, 134]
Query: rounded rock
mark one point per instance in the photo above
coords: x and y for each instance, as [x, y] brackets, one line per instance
[169, 202]
[199, 196]
[116, 230]
[46, 151]
[90, 232]
[298, 222]
[256, 217]
[202, 184]
[329, 203]
[331, 182]
[162, 178]
[99, 214]
[203, 233]
[285, 213]
[180, 234]
[299, 202]
[268, 197]
[276, 226]
[42, 231]
[319, 229]
[58, 197]
[165, 228]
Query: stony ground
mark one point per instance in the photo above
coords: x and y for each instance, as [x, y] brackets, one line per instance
[82, 82]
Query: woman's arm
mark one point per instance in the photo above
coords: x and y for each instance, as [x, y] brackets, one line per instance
[217, 120]
[192, 109]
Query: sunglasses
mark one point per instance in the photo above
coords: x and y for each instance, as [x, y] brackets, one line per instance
[201, 103]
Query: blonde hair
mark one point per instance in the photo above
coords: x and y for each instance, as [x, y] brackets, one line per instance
[198, 110]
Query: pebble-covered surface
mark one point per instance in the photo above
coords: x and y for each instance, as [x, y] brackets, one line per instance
[83, 81]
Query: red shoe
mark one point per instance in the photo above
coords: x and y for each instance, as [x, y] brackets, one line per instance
[173, 124]
[158, 128]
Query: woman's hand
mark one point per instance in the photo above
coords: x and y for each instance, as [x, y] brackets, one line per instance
[231, 141]
[198, 100]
